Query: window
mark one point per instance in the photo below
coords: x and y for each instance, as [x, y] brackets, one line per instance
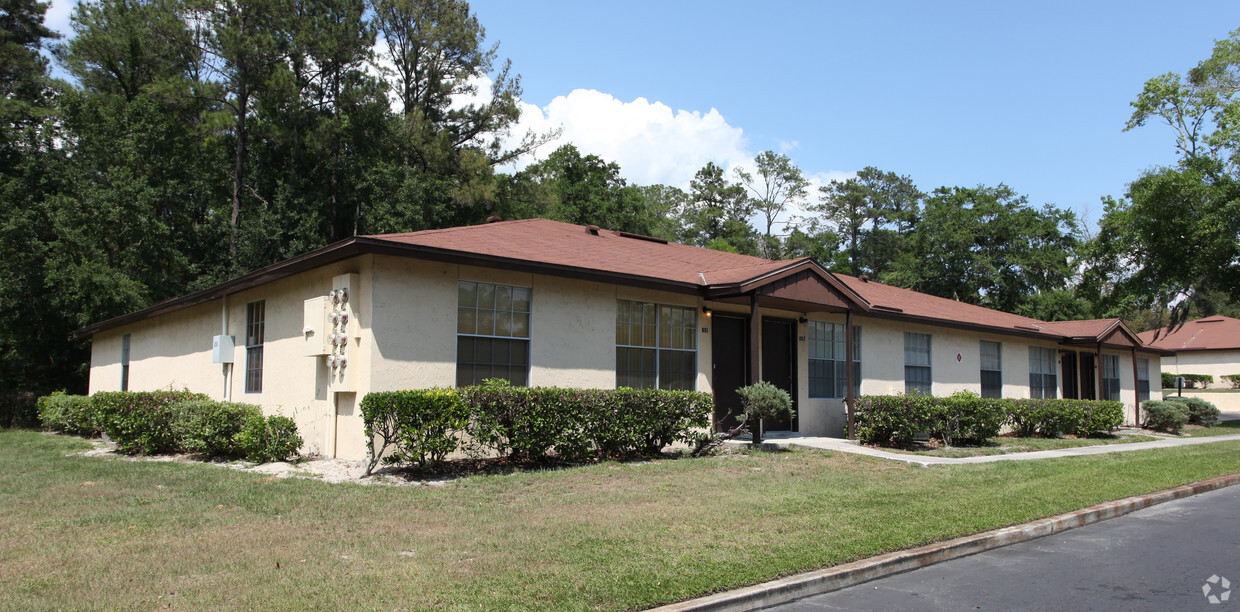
[827, 366]
[1143, 380]
[916, 363]
[255, 329]
[1110, 377]
[992, 369]
[1042, 380]
[492, 333]
[125, 362]
[656, 346]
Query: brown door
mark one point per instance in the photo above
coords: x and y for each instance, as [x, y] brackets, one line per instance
[1071, 386]
[779, 365]
[1089, 384]
[729, 368]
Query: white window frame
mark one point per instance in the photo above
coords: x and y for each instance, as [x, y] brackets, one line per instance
[910, 386]
[1110, 383]
[998, 369]
[475, 310]
[827, 347]
[1043, 366]
[668, 338]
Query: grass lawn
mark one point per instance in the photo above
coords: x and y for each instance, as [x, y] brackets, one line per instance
[97, 532]
[1005, 445]
[1221, 428]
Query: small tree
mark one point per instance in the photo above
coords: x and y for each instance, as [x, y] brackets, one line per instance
[761, 400]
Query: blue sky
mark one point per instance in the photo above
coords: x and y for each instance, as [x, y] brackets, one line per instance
[1034, 95]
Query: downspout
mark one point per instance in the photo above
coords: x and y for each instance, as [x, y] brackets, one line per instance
[849, 400]
[228, 367]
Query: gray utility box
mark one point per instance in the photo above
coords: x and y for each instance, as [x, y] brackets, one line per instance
[222, 349]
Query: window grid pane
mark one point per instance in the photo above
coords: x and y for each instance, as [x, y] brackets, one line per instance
[1110, 377]
[991, 369]
[655, 345]
[1043, 383]
[493, 330]
[1143, 380]
[917, 363]
[827, 360]
[255, 332]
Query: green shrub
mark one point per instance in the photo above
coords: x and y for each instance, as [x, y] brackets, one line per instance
[210, 427]
[894, 419]
[1168, 380]
[966, 416]
[659, 417]
[422, 427]
[523, 422]
[1197, 381]
[574, 424]
[1200, 412]
[18, 409]
[763, 400]
[1232, 380]
[141, 422]
[263, 440]
[70, 414]
[897, 419]
[1165, 416]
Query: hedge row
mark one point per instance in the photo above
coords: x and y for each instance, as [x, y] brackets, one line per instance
[1191, 381]
[899, 419]
[424, 427]
[1232, 380]
[1173, 413]
[161, 422]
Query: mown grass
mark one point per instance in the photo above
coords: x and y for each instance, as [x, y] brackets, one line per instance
[106, 533]
[1221, 428]
[1006, 445]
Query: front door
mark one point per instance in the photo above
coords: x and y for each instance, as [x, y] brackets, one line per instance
[1071, 386]
[779, 365]
[1089, 383]
[729, 368]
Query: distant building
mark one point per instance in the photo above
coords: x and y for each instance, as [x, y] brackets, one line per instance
[1204, 346]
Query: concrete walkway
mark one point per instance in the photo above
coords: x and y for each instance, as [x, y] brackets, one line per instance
[791, 440]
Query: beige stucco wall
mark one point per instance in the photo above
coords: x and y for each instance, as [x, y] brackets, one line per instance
[174, 351]
[1215, 363]
[572, 326]
[405, 316]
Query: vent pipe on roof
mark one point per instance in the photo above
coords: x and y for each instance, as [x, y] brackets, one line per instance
[494, 219]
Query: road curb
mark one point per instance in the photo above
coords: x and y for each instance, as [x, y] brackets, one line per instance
[842, 576]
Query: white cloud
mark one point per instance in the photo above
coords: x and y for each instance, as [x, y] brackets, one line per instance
[650, 142]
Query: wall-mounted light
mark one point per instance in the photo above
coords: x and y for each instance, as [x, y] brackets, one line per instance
[803, 320]
[706, 310]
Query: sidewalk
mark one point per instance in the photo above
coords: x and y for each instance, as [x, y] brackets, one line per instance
[792, 440]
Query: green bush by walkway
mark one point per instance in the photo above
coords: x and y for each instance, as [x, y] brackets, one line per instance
[964, 416]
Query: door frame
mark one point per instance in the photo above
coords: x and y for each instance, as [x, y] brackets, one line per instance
[793, 382]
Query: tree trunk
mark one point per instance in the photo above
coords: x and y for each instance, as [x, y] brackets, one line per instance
[243, 100]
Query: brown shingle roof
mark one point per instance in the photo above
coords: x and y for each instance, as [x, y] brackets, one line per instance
[587, 252]
[1208, 334]
[565, 245]
[923, 306]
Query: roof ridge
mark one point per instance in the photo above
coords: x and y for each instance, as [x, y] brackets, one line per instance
[445, 230]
